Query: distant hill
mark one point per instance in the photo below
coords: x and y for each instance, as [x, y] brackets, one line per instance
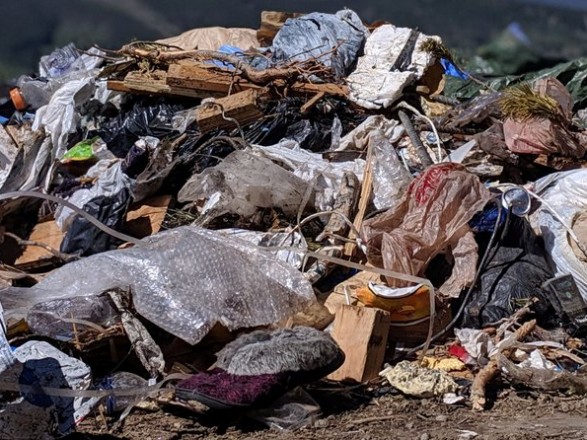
[32, 28]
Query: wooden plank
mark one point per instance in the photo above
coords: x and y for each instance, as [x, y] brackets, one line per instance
[209, 81]
[136, 82]
[241, 106]
[193, 80]
[364, 199]
[361, 332]
[146, 218]
[271, 23]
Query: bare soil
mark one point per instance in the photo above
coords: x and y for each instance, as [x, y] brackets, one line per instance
[514, 415]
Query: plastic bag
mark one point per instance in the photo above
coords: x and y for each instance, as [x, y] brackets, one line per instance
[185, 281]
[145, 118]
[334, 40]
[572, 74]
[294, 410]
[515, 272]
[541, 135]
[83, 238]
[565, 195]
[60, 117]
[358, 138]
[110, 181]
[390, 177]
[324, 176]
[431, 219]
[241, 184]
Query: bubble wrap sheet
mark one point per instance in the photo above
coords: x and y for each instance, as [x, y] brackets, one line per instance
[183, 280]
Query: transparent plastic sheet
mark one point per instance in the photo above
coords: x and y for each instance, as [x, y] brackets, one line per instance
[56, 319]
[241, 184]
[325, 176]
[294, 410]
[268, 239]
[185, 281]
[432, 218]
[390, 178]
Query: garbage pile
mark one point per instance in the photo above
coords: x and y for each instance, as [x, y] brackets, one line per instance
[230, 215]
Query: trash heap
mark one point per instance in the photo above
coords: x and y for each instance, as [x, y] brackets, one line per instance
[218, 219]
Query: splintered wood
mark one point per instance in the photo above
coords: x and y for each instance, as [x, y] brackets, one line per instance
[361, 333]
[240, 108]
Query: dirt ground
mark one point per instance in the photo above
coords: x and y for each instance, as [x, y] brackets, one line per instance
[514, 415]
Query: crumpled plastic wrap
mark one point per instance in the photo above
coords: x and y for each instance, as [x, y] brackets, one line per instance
[566, 194]
[380, 78]
[431, 219]
[324, 176]
[271, 239]
[185, 281]
[60, 117]
[358, 138]
[111, 180]
[333, 39]
[390, 177]
[540, 135]
[241, 184]
[413, 380]
[53, 318]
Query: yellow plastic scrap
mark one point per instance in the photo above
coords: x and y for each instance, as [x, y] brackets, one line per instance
[446, 364]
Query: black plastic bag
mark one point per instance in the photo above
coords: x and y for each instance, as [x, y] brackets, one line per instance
[83, 238]
[515, 272]
[145, 118]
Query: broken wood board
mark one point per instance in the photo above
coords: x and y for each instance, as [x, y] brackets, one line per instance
[223, 112]
[271, 23]
[195, 76]
[338, 297]
[364, 199]
[205, 81]
[146, 218]
[34, 257]
[139, 83]
[361, 333]
[141, 221]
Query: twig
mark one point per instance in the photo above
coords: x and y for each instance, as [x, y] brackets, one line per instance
[516, 317]
[370, 419]
[290, 72]
[491, 370]
[19, 241]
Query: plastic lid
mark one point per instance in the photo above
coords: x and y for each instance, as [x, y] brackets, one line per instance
[18, 99]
